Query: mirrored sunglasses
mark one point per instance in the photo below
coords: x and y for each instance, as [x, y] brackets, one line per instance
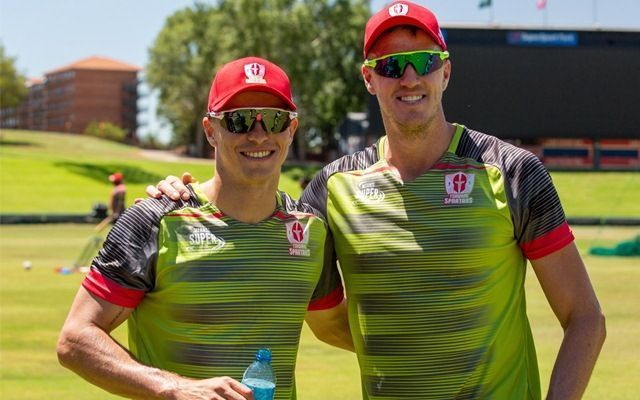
[394, 65]
[242, 120]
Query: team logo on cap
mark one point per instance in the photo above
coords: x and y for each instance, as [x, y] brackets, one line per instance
[459, 186]
[255, 73]
[398, 9]
[298, 236]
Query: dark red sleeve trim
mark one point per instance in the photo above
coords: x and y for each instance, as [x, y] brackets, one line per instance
[329, 301]
[552, 241]
[110, 291]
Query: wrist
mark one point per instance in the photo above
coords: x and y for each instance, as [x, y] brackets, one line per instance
[172, 388]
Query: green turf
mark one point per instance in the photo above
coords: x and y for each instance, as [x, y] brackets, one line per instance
[599, 194]
[43, 172]
[34, 304]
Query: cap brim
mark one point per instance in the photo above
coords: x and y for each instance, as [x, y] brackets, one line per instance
[221, 104]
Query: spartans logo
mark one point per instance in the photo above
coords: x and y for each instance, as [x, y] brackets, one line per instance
[458, 187]
[298, 236]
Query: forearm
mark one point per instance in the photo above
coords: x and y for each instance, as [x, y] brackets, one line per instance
[338, 338]
[332, 326]
[97, 357]
[578, 353]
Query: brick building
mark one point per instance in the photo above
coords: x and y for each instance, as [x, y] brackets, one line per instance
[69, 98]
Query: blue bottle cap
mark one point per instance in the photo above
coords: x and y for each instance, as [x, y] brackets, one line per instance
[264, 355]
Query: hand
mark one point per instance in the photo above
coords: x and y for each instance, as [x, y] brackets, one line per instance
[172, 187]
[221, 388]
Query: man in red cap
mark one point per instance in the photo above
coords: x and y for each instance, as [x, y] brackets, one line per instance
[205, 283]
[433, 227]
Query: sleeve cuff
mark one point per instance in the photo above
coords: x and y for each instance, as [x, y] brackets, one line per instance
[550, 242]
[111, 291]
[329, 301]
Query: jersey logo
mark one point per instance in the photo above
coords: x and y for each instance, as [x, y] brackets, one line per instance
[458, 186]
[369, 193]
[200, 238]
[298, 236]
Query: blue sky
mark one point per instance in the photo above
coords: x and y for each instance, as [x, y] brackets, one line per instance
[44, 35]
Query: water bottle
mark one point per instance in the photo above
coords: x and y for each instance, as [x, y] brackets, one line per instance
[259, 376]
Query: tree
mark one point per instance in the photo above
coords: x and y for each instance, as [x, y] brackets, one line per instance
[183, 59]
[318, 43]
[325, 55]
[12, 83]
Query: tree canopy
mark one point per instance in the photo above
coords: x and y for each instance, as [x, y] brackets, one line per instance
[317, 42]
[12, 83]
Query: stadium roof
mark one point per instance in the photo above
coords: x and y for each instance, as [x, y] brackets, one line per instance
[97, 63]
[499, 26]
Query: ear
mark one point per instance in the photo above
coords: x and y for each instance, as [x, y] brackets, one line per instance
[366, 75]
[293, 127]
[208, 131]
[446, 75]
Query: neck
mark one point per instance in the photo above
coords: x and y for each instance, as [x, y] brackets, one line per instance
[413, 154]
[249, 204]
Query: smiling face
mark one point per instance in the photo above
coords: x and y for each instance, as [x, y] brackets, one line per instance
[252, 158]
[412, 103]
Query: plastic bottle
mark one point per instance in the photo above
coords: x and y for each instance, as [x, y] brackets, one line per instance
[259, 376]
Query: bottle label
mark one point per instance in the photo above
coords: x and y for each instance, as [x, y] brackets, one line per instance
[262, 390]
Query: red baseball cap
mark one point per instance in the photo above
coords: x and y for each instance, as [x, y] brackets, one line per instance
[116, 177]
[249, 74]
[402, 13]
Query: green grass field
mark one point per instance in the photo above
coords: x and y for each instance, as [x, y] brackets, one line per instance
[34, 304]
[49, 173]
[64, 173]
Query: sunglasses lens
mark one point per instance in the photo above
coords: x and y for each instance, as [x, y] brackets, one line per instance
[274, 121]
[395, 65]
[391, 67]
[242, 121]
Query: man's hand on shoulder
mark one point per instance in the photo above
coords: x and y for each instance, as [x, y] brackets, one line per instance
[172, 186]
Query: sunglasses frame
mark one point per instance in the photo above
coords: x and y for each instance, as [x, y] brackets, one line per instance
[374, 61]
[221, 115]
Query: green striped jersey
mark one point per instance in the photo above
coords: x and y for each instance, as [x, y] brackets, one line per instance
[434, 268]
[209, 291]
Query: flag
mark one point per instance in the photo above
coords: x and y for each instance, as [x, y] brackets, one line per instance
[484, 3]
[542, 4]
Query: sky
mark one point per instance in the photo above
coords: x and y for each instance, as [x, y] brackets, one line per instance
[45, 34]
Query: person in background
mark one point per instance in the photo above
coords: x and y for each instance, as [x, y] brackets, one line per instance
[117, 198]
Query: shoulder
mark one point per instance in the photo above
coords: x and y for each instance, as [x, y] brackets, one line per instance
[151, 211]
[488, 149]
[359, 160]
[298, 209]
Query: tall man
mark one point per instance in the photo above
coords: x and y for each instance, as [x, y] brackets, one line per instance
[206, 282]
[433, 226]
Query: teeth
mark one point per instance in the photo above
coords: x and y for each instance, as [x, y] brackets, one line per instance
[410, 98]
[257, 154]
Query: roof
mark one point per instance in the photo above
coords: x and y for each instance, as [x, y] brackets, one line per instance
[97, 63]
[34, 81]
